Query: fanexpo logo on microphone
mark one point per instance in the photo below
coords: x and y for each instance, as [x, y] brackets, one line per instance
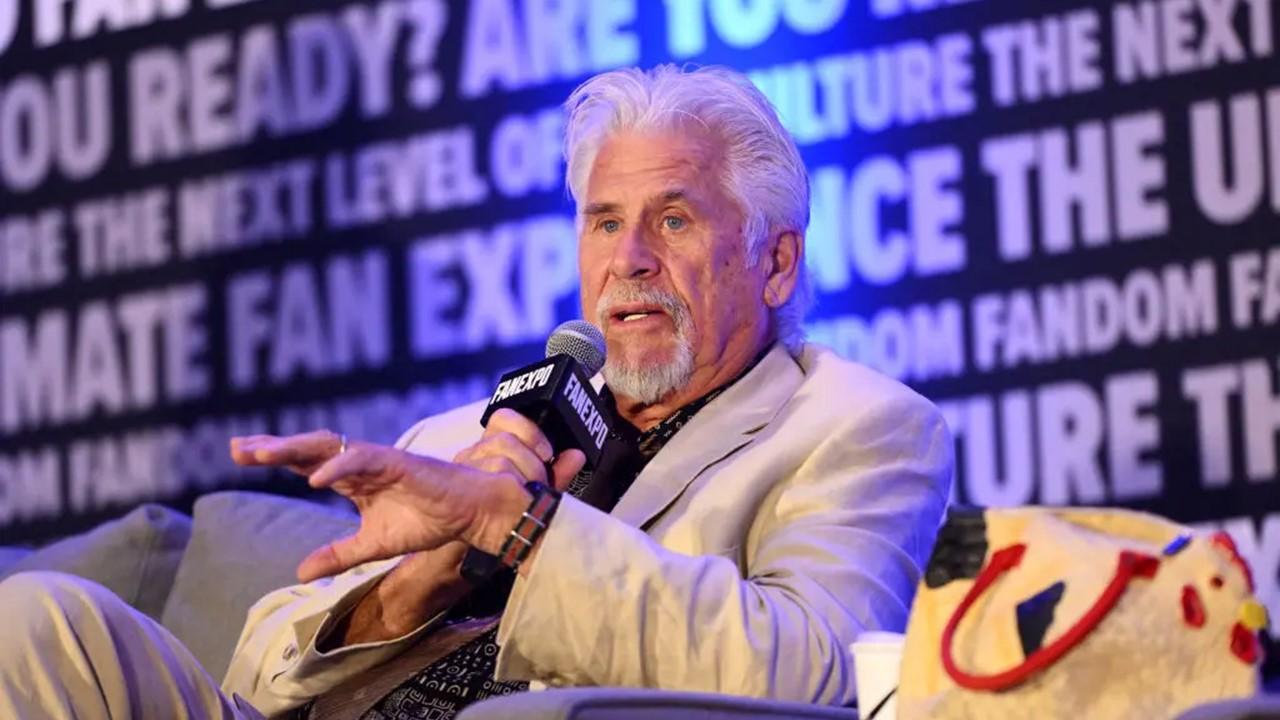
[531, 380]
[586, 410]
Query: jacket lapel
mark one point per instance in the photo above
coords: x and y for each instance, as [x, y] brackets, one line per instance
[724, 426]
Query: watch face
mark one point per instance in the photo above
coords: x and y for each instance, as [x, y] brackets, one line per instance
[478, 567]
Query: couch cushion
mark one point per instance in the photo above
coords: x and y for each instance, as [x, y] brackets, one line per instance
[135, 556]
[243, 545]
[11, 554]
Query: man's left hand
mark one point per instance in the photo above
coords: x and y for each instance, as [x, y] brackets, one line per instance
[407, 503]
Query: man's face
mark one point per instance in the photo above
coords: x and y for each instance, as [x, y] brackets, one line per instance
[664, 265]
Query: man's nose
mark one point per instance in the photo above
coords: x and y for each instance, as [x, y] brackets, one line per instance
[633, 256]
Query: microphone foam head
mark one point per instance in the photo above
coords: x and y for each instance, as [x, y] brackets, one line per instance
[581, 341]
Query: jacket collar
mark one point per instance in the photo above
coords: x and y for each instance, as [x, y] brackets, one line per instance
[726, 425]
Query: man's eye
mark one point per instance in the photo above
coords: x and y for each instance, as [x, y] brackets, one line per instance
[610, 226]
[673, 222]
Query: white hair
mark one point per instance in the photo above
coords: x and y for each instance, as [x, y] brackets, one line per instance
[763, 171]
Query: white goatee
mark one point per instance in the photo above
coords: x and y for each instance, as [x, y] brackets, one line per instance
[650, 383]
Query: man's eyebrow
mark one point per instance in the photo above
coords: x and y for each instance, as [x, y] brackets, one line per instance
[603, 208]
[599, 208]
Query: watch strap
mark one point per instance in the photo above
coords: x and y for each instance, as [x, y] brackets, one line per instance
[532, 524]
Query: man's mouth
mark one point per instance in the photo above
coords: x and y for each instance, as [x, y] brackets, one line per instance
[634, 314]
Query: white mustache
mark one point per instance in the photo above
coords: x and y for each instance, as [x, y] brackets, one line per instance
[620, 294]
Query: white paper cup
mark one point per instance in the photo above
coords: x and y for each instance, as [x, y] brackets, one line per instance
[877, 663]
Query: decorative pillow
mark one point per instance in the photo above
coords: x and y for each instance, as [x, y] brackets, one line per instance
[135, 556]
[244, 545]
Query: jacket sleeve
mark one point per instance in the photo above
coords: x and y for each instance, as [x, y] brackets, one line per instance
[277, 665]
[836, 549]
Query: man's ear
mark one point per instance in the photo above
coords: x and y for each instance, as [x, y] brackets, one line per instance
[784, 257]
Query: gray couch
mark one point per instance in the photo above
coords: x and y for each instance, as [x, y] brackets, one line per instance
[198, 576]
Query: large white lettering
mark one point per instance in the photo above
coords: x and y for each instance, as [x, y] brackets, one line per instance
[1153, 38]
[1255, 288]
[1235, 398]
[851, 228]
[1059, 443]
[1049, 57]
[897, 85]
[224, 90]
[396, 179]
[1074, 173]
[108, 362]
[31, 482]
[744, 25]
[1231, 169]
[921, 342]
[32, 251]
[1094, 315]
[506, 49]
[307, 322]
[64, 127]
[461, 297]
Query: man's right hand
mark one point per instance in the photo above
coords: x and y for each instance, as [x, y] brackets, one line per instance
[513, 444]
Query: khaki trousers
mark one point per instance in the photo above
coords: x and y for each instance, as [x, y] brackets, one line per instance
[70, 648]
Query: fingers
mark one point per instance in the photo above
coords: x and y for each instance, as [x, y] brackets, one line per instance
[322, 562]
[296, 451]
[360, 459]
[511, 422]
[566, 467]
[504, 452]
[511, 444]
[243, 448]
[336, 557]
[499, 465]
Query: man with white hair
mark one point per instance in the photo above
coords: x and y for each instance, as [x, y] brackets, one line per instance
[776, 500]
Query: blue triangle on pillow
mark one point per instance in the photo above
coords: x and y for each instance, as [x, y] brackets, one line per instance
[1035, 614]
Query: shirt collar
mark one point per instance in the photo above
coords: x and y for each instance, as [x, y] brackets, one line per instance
[649, 442]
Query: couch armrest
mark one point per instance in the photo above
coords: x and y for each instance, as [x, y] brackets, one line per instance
[635, 704]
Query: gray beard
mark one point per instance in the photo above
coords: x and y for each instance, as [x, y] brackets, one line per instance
[648, 385]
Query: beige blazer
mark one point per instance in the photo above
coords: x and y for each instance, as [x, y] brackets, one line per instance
[793, 512]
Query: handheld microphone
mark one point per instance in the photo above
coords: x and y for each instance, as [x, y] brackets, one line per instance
[556, 394]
